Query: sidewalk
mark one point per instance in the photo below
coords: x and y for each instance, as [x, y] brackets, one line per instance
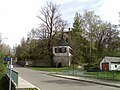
[23, 85]
[96, 81]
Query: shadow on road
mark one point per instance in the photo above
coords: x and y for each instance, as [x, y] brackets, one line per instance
[78, 83]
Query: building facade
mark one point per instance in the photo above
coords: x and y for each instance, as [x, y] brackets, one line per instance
[62, 54]
[110, 64]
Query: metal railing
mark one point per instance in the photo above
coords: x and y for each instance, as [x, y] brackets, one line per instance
[14, 76]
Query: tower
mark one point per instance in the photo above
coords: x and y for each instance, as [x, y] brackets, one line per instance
[62, 54]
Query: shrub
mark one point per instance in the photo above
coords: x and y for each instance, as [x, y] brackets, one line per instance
[2, 69]
[92, 67]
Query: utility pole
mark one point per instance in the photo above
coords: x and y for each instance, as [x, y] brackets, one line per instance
[90, 45]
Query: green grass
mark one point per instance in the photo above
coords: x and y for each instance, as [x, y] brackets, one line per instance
[113, 75]
[51, 69]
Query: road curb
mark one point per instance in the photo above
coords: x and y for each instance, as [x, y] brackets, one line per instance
[87, 80]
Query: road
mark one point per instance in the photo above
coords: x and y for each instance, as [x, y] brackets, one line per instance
[47, 82]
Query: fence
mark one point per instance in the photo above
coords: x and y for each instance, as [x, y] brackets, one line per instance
[14, 76]
[107, 75]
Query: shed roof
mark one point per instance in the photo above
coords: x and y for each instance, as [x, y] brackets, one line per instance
[112, 59]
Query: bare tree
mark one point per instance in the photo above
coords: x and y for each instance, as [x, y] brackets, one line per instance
[52, 22]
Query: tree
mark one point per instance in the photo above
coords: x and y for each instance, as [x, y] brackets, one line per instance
[22, 50]
[52, 22]
[90, 23]
[3, 52]
[105, 35]
[78, 42]
[92, 38]
[100, 34]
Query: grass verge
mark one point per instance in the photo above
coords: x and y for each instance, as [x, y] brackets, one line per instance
[51, 69]
[108, 75]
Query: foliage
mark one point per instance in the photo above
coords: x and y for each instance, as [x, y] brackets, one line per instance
[78, 42]
[22, 50]
[2, 68]
[3, 51]
[51, 24]
[92, 39]
[92, 67]
[3, 83]
[41, 48]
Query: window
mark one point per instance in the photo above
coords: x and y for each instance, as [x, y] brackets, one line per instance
[60, 50]
[57, 50]
[115, 66]
[63, 50]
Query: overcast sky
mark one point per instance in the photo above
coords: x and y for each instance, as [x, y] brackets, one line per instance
[17, 17]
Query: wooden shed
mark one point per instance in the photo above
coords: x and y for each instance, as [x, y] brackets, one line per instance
[110, 63]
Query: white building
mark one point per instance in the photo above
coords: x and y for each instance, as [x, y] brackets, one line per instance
[110, 63]
[62, 54]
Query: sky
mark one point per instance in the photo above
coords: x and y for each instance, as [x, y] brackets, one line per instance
[18, 17]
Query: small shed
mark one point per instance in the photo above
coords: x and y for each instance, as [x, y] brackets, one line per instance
[110, 63]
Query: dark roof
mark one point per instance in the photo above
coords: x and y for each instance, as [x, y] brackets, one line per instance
[62, 42]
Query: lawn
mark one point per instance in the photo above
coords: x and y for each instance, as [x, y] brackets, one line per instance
[108, 75]
[51, 69]
[112, 75]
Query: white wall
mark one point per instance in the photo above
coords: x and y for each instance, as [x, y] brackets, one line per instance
[67, 53]
[113, 66]
[100, 65]
[64, 58]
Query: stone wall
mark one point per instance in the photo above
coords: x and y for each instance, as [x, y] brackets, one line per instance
[41, 63]
[34, 62]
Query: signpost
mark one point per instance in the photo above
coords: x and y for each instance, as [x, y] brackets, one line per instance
[10, 67]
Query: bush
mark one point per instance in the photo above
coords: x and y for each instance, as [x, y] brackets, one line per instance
[88, 67]
[3, 81]
[3, 69]
[92, 67]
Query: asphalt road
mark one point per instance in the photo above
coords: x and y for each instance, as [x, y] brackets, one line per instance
[47, 82]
